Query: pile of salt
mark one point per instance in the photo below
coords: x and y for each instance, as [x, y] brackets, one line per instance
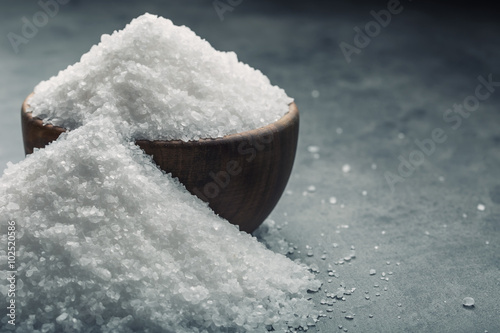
[165, 82]
[106, 241]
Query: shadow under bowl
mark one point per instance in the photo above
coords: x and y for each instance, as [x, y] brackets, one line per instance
[241, 176]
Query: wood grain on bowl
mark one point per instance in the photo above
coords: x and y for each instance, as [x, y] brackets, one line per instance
[241, 176]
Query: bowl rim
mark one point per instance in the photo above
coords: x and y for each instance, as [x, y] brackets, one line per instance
[289, 117]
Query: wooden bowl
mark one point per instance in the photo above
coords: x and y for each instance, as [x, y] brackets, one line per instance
[241, 176]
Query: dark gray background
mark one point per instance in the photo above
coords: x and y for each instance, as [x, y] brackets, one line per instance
[392, 93]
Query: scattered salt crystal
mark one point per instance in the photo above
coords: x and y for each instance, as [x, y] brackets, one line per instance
[339, 130]
[481, 207]
[373, 272]
[468, 302]
[332, 200]
[364, 193]
[311, 188]
[346, 168]
[315, 94]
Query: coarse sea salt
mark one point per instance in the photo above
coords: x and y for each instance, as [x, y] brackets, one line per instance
[165, 82]
[106, 241]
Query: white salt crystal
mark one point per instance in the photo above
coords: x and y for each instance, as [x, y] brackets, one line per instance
[346, 168]
[269, 234]
[313, 149]
[61, 317]
[110, 239]
[165, 82]
[177, 254]
[481, 207]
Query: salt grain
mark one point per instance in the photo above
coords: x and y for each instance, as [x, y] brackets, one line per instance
[468, 302]
[313, 149]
